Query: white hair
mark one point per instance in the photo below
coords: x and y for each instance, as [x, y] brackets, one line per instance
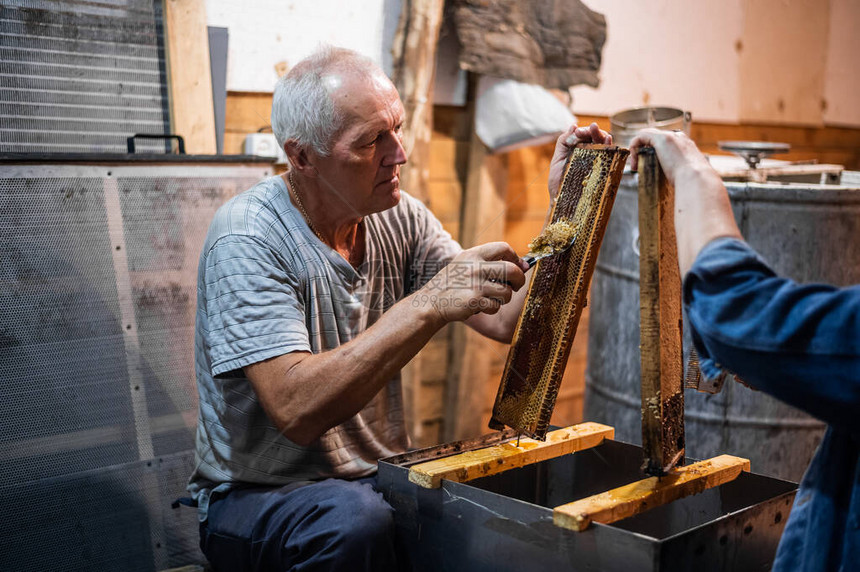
[302, 107]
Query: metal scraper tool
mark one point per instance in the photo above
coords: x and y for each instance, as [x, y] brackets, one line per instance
[532, 259]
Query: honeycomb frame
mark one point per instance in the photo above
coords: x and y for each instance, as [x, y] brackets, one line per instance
[557, 293]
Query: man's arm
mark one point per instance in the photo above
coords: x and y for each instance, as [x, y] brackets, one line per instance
[306, 394]
[799, 343]
[702, 208]
[501, 326]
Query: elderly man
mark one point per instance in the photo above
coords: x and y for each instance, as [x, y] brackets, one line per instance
[797, 342]
[314, 290]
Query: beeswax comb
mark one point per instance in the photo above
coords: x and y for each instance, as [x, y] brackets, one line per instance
[557, 293]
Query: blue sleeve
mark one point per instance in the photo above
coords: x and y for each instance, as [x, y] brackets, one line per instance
[797, 342]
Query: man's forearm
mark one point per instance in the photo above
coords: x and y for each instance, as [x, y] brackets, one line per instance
[703, 212]
[306, 394]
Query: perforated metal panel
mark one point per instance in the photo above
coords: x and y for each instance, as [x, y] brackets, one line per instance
[81, 76]
[99, 404]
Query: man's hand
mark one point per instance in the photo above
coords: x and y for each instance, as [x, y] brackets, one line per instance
[480, 279]
[565, 144]
[675, 150]
[702, 208]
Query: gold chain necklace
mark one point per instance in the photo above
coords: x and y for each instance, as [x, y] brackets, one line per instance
[295, 189]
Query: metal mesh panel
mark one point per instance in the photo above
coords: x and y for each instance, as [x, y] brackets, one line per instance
[99, 402]
[116, 518]
[81, 76]
[60, 320]
[556, 296]
[164, 227]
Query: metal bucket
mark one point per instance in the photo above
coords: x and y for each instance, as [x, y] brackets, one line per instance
[625, 124]
[808, 233]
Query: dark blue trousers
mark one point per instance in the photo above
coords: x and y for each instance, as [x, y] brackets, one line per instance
[326, 525]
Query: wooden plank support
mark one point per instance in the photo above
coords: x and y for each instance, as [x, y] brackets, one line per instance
[660, 321]
[482, 220]
[616, 504]
[192, 113]
[811, 173]
[499, 458]
[414, 70]
[414, 67]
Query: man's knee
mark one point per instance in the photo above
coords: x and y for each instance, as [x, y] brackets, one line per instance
[343, 525]
[366, 517]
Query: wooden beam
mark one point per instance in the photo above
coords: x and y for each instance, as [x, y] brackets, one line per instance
[660, 321]
[614, 505]
[500, 458]
[414, 65]
[192, 113]
[482, 220]
[813, 173]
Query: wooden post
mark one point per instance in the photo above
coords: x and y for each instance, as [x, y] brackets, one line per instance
[496, 459]
[414, 67]
[661, 325]
[482, 220]
[414, 54]
[192, 113]
[634, 498]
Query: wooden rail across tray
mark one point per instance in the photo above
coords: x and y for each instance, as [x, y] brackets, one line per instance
[628, 500]
[499, 458]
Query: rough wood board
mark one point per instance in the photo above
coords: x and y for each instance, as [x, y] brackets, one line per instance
[622, 502]
[482, 220]
[557, 294]
[555, 44]
[414, 68]
[660, 321]
[499, 458]
[247, 112]
[414, 63]
[192, 113]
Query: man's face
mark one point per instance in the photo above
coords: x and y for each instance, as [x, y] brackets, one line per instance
[363, 169]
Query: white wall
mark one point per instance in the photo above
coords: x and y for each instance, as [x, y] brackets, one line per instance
[667, 52]
[263, 33]
[842, 77]
[771, 61]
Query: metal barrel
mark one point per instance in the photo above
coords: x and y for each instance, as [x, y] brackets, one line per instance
[810, 233]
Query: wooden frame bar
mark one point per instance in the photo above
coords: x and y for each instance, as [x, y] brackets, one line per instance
[660, 319]
[637, 497]
[499, 458]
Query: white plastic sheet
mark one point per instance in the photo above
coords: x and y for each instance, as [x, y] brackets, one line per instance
[510, 114]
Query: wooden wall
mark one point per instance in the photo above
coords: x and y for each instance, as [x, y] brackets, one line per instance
[833, 145]
[245, 113]
[248, 112]
[526, 205]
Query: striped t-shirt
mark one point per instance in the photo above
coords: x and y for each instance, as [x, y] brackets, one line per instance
[268, 286]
